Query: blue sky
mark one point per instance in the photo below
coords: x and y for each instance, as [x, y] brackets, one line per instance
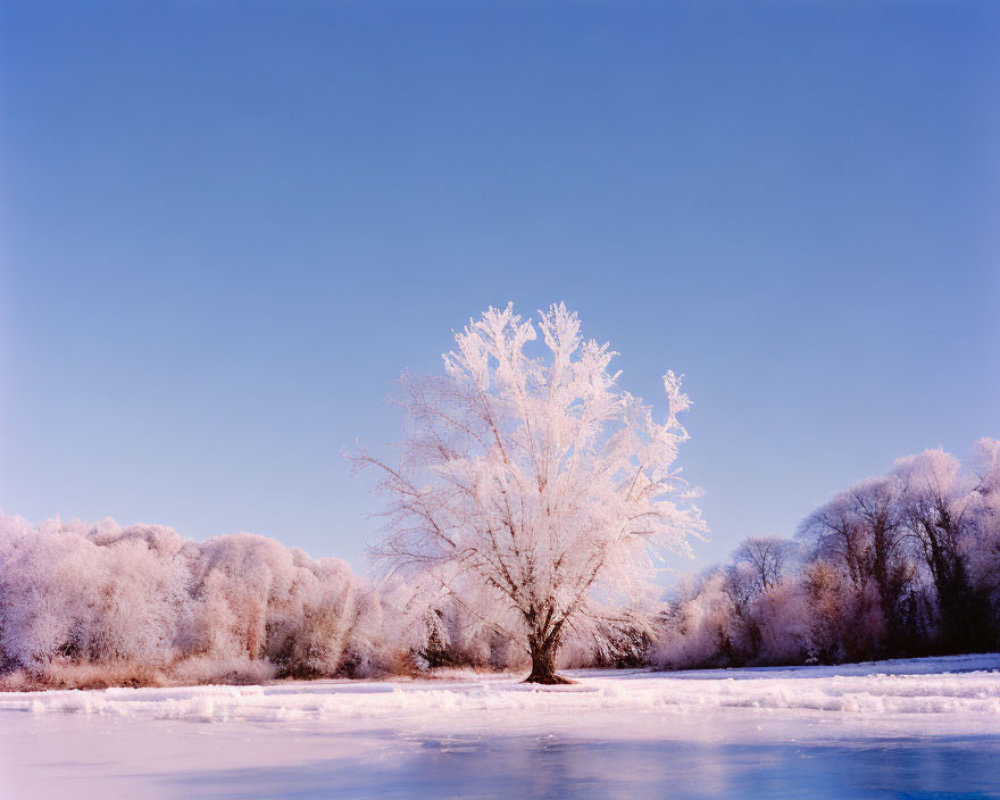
[225, 228]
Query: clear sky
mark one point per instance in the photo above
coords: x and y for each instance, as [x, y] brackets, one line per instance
[226, 228]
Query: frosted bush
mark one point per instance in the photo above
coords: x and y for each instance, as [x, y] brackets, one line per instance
[101, 604]
[697, 630]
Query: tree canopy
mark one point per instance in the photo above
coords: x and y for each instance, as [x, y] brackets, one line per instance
[532, 489]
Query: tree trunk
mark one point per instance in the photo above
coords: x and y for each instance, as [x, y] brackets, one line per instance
[543, 662]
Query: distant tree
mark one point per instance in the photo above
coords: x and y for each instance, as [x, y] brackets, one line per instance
[757, 571]
[984, 559]
[938, 505]
[533, 490]
[767, 559]
[741, 585]
[842, 622]
[862, 530]
[697, 628]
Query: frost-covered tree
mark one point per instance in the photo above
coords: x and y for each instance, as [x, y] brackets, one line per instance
[697, 629]
[533, 490]
[938, 505]
[862, 530]
[984, 558]
[766, 557]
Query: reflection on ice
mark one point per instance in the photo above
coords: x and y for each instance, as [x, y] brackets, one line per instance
[545, 767]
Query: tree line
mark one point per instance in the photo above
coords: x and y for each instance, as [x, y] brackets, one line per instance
[903, 564]
[526, 508]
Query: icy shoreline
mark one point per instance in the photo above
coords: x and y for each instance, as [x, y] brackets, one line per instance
[964, 687]
[855, 731]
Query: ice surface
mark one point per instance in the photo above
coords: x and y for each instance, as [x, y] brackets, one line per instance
[417, 738]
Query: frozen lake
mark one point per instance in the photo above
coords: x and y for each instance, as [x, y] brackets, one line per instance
[921, 729]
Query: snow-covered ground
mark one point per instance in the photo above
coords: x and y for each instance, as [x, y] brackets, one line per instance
[925, 727]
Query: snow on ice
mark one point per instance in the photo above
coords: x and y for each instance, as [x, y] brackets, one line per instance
[930, 722]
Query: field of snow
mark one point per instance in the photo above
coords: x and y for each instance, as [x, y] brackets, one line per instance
[921, 727]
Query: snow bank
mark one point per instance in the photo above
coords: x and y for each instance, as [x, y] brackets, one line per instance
[967, 689]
